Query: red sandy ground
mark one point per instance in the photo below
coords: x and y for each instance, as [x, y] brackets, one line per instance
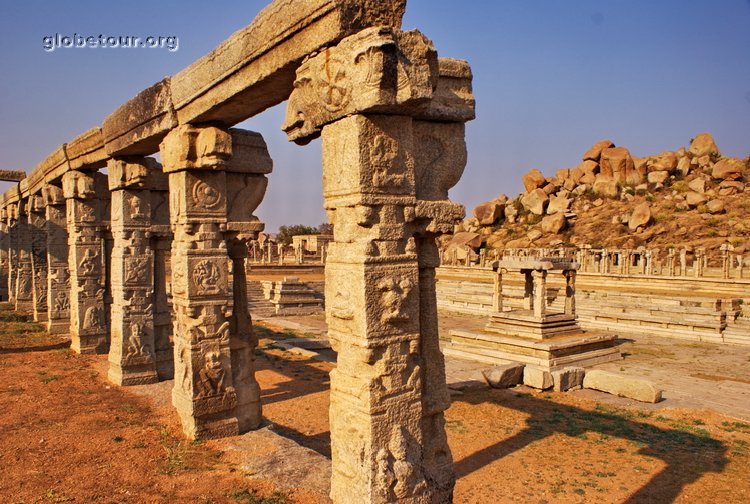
[66, 435]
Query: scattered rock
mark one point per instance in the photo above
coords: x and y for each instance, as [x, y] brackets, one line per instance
[617, 163]
[472, 240]
[606, 186]
[505, 376]
[535, 201]
[553, 224]
[595, 152]
[534, 234]
[698, 185]
[537, 378]
[511, 213]
[598, 202]
[703, 145]
[693, 199]
[715, 206]
[621, 385]
[683, 166]
[640, 217]
[533, 180]
[657, 177]
[568, 379]
[666, 161]
[728, 169]
[487, 213]
[558, 204]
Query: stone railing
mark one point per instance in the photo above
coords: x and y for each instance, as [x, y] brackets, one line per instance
[697, 263]
[391, 116]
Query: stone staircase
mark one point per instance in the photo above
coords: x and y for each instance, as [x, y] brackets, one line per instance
[738, 329]
[691, 318]
[259, 305]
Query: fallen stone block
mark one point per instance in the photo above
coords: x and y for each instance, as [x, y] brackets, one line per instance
[568, 378]
[504, 376]
[623, 386]
[537, 378]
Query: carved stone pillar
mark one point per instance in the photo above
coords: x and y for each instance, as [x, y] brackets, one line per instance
[540, 293]
[132, 354]
[38, 231]
[24, 271]
[387, 168]
[12, 225]
[216, 180]
[161, 244]
[570, 292]
[4, 253]
[88, 325]
[58, 277]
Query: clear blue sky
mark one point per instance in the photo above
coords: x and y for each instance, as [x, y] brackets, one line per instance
[551, 77]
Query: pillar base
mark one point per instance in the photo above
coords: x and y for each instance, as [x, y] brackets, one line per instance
[199, 427]
[88, 345]
[58, 326]
[132, 375]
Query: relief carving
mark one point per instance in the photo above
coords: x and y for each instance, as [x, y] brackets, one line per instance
[393, 298]
[211, 376]
[207, 278]
[94, 318]
[89, 263]
[206, 196]
[136, 347]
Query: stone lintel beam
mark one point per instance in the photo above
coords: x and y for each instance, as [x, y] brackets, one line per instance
[254, 68]
[12, 175]
[137, 127]
[86, 151]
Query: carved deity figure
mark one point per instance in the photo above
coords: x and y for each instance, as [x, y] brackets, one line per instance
[211, 376]
[94, 318]
[136, 347]
[88, 263]
[206, 277]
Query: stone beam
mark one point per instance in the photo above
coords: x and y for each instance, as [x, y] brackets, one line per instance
[12, 175]
[86, 151]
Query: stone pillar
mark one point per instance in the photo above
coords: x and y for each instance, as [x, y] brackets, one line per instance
[570, 292]
[216, 180]
[683, 262]
[4, 253]
[12, 226]
[161, 245]
[88, 325]
[725, 261]
[132, 354]
[671, 262]
[58, 276]
[24, 271]
[539, 278]
[497, 298]
[387, 168]
[38, 231]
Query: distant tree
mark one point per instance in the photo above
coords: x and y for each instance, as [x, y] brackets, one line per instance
[325, 229]
[286, 232]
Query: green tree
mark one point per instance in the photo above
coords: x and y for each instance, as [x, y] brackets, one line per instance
[286, 232]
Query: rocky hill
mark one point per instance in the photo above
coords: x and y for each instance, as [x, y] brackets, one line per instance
[688, 197]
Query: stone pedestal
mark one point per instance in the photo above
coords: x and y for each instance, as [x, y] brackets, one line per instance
[216, 180]
[88, 324]
[58, 276]
[132, 354]
[38, 230]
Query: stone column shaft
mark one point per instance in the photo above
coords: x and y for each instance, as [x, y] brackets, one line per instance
[216, 180]
[88, 324]
[58, 276]
[38, 230]
[24, 271]
[540, 293]
[12, 225]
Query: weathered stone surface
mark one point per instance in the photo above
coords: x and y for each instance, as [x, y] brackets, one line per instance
[558, 204]
[86, 151]
[137, 127]
[568, 379]
[537, 378]
[694, 199]
[683, 166]
[553, 224]
[640, 217]
[505, 376]
[12, 175]
[698, 185]
[666, 161]
[715, 206]
[606, 186]
[533, 179]
[595, 152]
[532, 235]
[487, 213]
[616, 162]
[535, 201]
[254, 69]
[657, 177]
[622, 385]
[728, 169]
[703, 145]
[464, 238]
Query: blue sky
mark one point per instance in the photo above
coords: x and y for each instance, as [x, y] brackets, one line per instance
[551, 77]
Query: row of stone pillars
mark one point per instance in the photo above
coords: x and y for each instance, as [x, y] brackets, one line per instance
[391, 117]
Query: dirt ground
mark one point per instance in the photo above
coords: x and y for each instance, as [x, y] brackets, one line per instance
[66, 435]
